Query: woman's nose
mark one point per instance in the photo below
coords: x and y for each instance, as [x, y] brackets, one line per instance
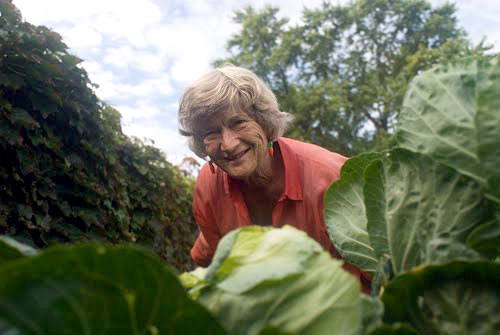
[229, 139]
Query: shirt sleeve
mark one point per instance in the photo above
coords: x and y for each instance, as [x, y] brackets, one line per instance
[208, 238]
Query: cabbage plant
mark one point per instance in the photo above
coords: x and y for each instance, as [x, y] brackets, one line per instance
[423, 217]
[94, 289]
[277, 281]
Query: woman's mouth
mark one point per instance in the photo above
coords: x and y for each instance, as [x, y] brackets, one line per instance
[237, 156]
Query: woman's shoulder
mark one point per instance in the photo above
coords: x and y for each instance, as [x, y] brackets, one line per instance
[315, 167]
[208, 182]
[314, 156]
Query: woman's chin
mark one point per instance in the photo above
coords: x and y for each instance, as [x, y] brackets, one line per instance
[242, 170]
[238, 173]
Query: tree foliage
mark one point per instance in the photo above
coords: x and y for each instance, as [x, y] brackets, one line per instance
[67, 171]
[344, 69]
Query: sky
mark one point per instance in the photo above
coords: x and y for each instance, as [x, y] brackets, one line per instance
[143, 53]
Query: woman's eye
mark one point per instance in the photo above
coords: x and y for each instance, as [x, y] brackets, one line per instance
[211, 135]
[239, 123]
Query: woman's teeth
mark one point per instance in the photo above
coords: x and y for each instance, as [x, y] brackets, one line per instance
[234, 157]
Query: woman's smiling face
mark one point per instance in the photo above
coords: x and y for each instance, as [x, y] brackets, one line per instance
[235, 142]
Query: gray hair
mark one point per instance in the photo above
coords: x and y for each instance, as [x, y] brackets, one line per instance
[225, 88]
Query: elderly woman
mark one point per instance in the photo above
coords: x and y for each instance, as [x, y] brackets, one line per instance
[254, 176]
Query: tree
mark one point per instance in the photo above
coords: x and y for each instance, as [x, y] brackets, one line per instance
[344, 70]
[67, 171]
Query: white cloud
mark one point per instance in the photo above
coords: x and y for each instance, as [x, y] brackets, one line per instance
[192, 44]
[119, 57]
[137, 39]
[155, 87]
[112, 15]
[174, 106]
[479, 18]
[113, 87]
[129, 57]
[187, 70]
[165, 138]
[143, 110]
[87, 24]
[83, 37]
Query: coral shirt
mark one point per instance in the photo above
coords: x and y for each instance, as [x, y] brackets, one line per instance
[219, 206]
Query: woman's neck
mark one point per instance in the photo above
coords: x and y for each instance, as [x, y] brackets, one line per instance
[269, 179]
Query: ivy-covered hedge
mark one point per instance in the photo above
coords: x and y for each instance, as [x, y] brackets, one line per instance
[67, 171]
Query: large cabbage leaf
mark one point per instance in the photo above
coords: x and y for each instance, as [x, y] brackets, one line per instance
[10, 249]
[412, 200]
[488, 127]
[345, 216]
[96, 289]
[279, 281]
[486, 239]
[447, 299]
[452, 114]
[394, 329]
[372, 310]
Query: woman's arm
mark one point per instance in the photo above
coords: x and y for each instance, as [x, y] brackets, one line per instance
[206, 243]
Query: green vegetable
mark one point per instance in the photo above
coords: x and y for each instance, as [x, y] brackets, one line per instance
[424, 216]
[411, 200]
[486, 239]
[279, 281]
[10, 249]
[453, 298]
[451, 114]
[96, 289]
[345, 214]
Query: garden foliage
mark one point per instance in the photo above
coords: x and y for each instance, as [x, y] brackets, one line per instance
[96, 289]
[67, 171]
[423, 218]
[266, 281]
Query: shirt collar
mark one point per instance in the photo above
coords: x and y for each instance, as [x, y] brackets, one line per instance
[293, 184]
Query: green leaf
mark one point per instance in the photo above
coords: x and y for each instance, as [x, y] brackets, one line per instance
[97, 289]
[410, 200]
[374, 193]
[454, 298]
[71, 59]
[372, 310]
[345, 216]
[9, 134]
[12, 81]
[441, 250]
[486, 239]
[438, 116]
[383, 274]
[25, 211]
[279, 281]
[23, 118]
[487, 122]
[451, 113]
[394, 329]
[44, 104]
[11, 250]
